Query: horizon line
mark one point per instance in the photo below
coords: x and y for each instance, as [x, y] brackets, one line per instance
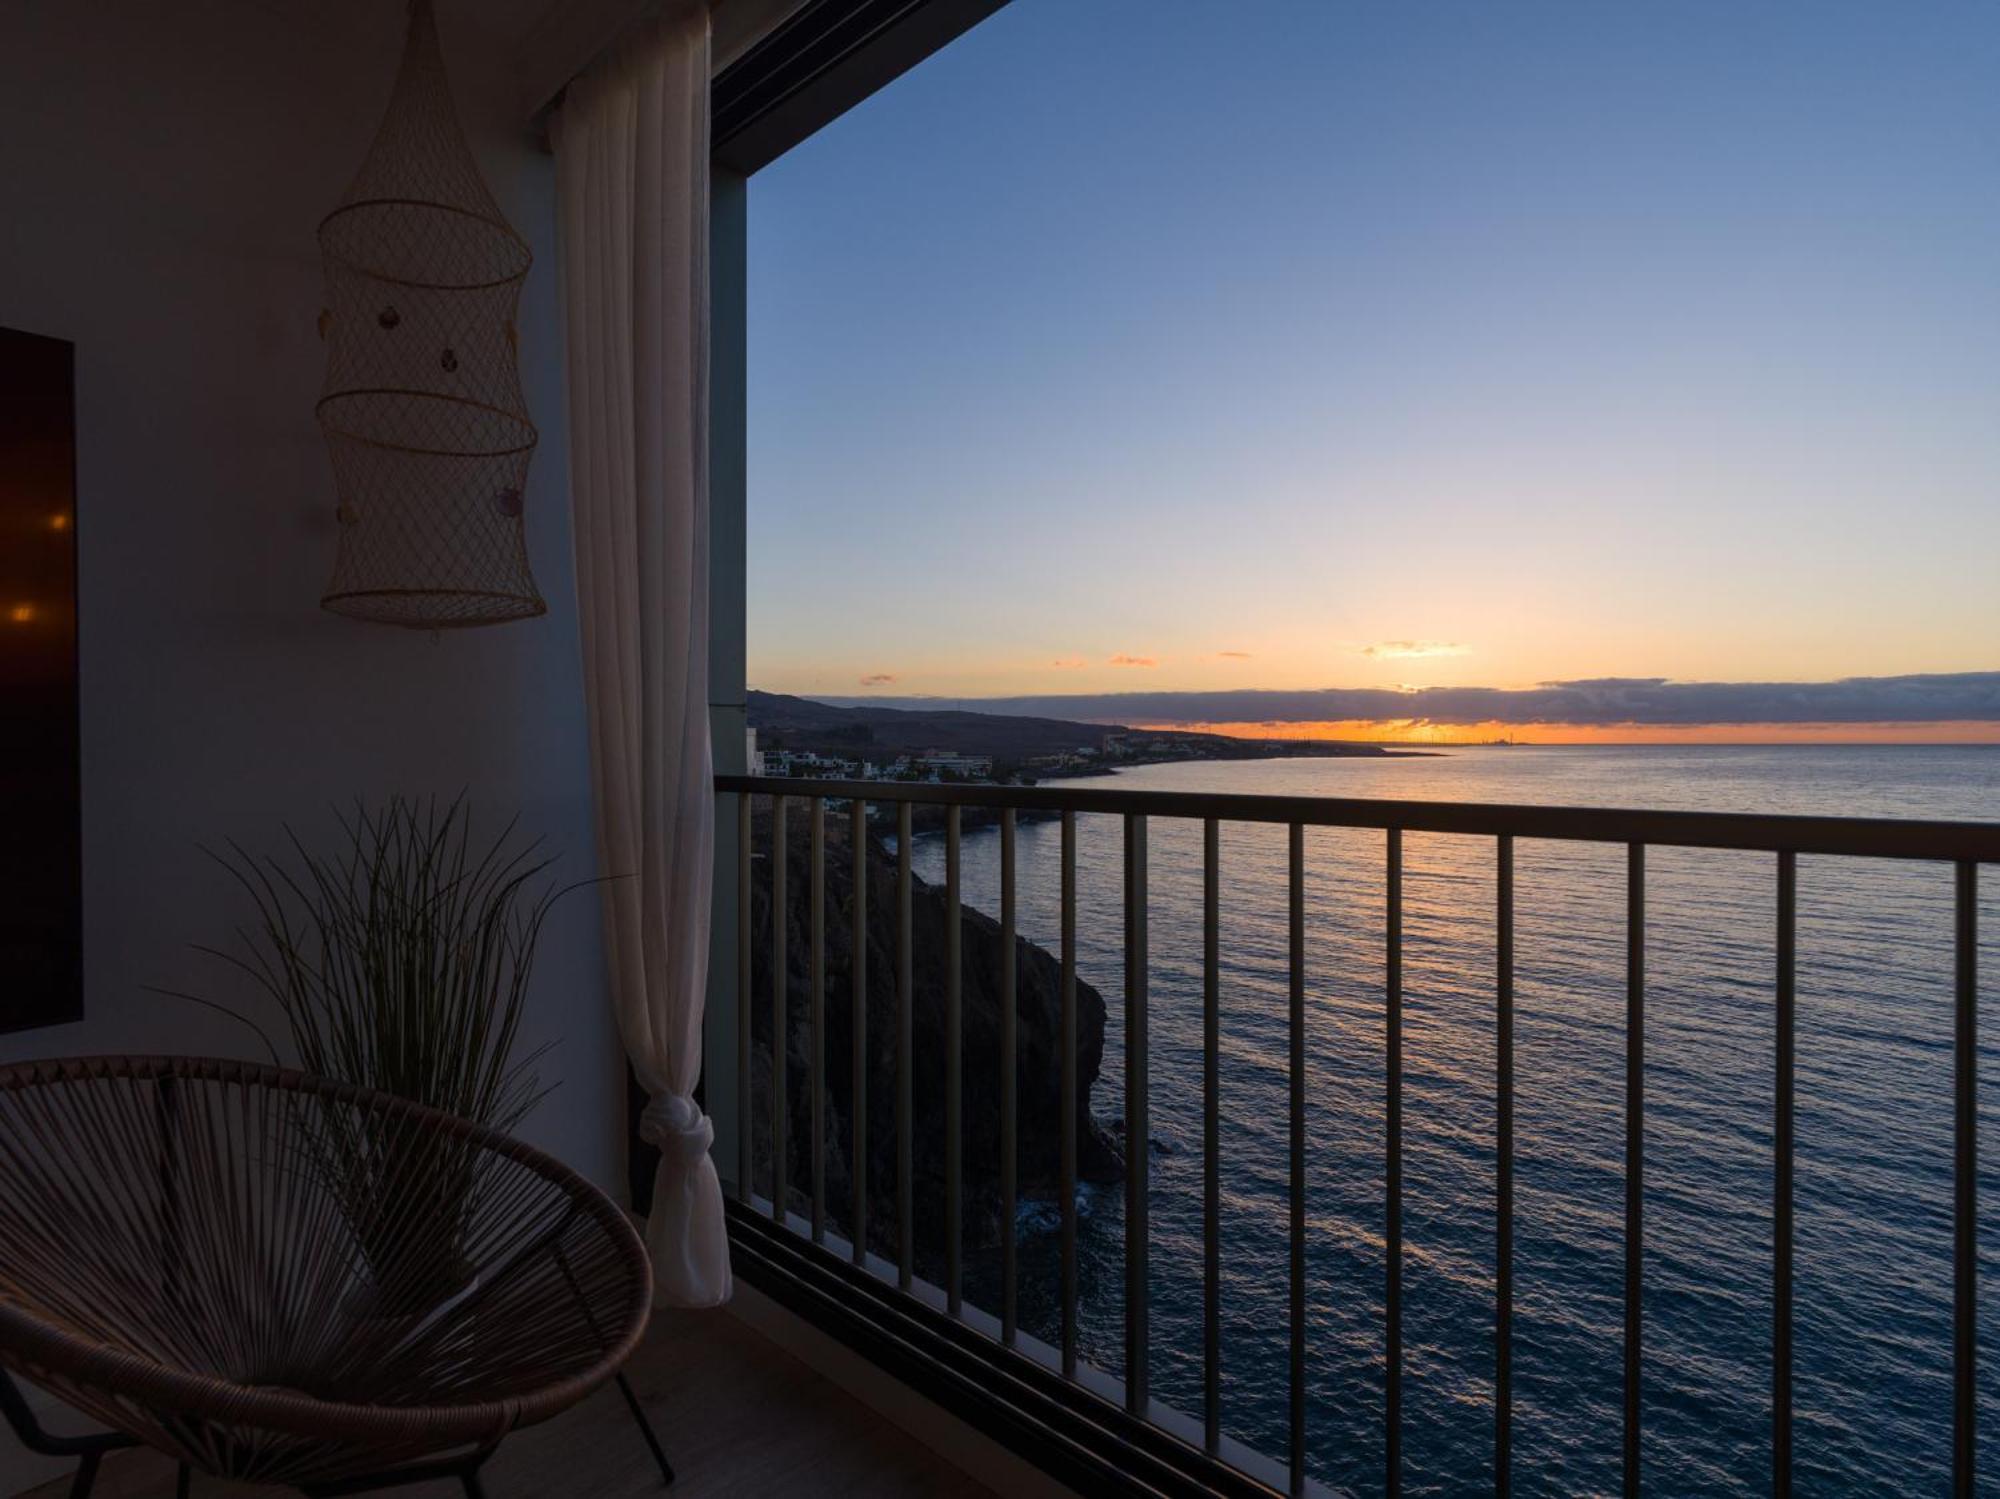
[1928, 707]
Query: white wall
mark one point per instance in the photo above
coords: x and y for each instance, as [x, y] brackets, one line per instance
[162, 169]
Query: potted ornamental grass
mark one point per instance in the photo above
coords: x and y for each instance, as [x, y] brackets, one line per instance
[399, 958]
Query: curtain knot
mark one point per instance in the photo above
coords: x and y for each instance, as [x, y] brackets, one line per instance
[679, 1130]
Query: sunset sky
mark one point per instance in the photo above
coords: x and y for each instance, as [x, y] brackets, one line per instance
[1146, 345]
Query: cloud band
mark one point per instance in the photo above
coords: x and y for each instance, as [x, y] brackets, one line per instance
[1963, 697]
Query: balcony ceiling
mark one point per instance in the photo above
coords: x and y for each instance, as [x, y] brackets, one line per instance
[371, 23]
[547, 41]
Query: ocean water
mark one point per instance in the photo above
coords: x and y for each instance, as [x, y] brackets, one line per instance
[1873, 1291]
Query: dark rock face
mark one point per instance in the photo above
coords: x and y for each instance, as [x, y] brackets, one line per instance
[1038, 1047]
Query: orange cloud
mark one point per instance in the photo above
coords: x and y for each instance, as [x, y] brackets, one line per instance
[1133, 661]
[1404, 650]
[878, 679]
[1070, 663]
[1234, 655]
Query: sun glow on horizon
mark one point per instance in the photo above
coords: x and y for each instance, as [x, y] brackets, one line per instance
[1418, 731]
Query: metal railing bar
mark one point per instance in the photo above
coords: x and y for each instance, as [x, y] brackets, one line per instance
[1503, 1212]
[1138, 1132]
[858, 1021]
[1635, 1149]
[780, 906]
[1009, 1124]
[1964, 845]
[817, 925]
[1211, 1173]
[745, 1154]
[1783, 1151]
[1965, 1184]
[1392, 1402]
[954, 1071]
[1861, 837]
[1069, 1082]
[906, 1216]
[861, 1307]
[1297, 1112]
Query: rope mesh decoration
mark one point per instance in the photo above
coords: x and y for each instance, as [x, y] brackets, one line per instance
[285, 1280]
[422, 410]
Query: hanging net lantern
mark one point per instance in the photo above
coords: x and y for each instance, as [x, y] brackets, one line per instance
[422, 410]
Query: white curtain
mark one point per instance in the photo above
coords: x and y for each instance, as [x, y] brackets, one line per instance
[631, 142]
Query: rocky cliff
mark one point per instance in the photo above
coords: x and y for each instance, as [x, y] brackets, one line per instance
[1038, 1048]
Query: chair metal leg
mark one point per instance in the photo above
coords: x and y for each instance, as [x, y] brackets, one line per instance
[646, 1429]
[183, 1482]
[87, 1450]
[474, 1489]
[624, 1385]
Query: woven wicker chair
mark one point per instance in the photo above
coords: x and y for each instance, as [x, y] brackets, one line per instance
[280, 1279]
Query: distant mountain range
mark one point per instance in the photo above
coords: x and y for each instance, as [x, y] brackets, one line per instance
[797, 723]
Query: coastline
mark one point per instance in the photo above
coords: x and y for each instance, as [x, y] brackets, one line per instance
[927, 819]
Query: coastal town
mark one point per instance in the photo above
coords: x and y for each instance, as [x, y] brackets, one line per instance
[945, 766]
[800, 738]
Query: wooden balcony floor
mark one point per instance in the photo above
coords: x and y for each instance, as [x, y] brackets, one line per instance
[737, 1415]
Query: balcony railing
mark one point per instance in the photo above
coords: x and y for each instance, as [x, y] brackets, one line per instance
[1049, 1397]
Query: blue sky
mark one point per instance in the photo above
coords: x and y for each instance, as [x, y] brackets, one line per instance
[1550, 340]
